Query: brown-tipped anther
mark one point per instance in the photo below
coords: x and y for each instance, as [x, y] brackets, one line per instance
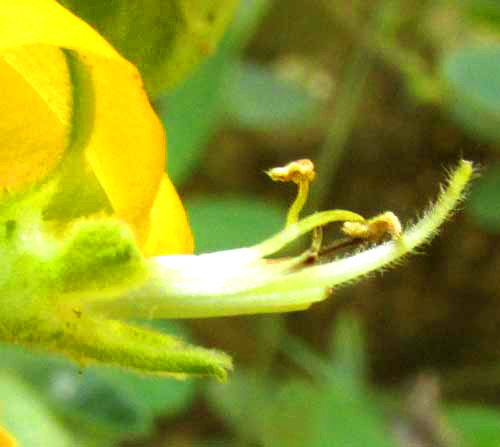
[296, 171]
[374, 229]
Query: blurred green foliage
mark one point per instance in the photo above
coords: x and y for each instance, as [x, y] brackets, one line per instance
[164, 39]
[473, 79]
[473, 76]
[222, 223]
[199, 99]
[332, 407]
[316, 399]
[487, 11]
[287, 103]
[28, 417]
[483, 204]
[479, 426]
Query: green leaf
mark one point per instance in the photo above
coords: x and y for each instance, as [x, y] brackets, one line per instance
[27, 418]
[164, 39]
[220, 223]
[259, 100]
[482, 204]
[473, 77]
[477, 426]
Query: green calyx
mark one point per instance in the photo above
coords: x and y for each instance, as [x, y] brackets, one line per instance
[50, 274]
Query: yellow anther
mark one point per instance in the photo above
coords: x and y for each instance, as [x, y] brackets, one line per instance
[296, 171]
[300, 172]
[374, 229]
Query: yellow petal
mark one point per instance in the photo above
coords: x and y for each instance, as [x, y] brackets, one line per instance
[6, 440]
[169, 232]
[31, 22]
[111, 118]
[126, 148]
[35, 108]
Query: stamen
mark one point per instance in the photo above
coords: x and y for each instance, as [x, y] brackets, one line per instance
[301, 172]
[375, 228]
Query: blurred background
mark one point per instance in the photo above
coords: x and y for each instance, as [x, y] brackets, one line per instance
[383, 96]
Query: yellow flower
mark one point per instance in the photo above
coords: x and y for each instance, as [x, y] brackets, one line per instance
[69, 99]
[79, 141]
